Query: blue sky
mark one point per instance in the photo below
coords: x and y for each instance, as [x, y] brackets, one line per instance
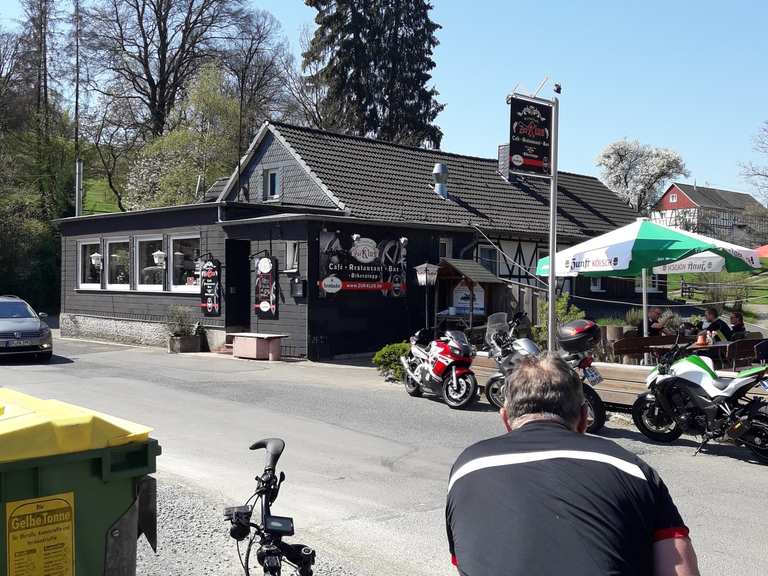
[688, 75]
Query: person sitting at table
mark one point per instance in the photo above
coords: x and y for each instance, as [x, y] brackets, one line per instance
[656, 322]
[738, 330]
[720, 329]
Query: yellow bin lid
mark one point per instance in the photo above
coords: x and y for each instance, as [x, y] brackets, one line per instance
[32, 428]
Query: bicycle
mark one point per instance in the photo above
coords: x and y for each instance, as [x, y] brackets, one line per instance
[272, 551]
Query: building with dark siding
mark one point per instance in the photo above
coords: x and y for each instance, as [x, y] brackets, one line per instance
[344, 220]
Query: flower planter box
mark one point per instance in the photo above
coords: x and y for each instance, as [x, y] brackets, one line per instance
[182, 344]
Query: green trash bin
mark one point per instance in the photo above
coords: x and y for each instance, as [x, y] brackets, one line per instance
[75, 489]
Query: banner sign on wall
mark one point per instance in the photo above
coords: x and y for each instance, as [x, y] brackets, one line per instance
[530, 137]
[210, 288]
[266, 288]
[352, 263]
[462, 298]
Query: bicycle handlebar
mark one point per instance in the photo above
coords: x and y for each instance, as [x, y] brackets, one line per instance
[274, 448]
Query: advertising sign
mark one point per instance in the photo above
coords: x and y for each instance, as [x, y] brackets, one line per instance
[530, 137]
[210, 288]
[266, 288]
[462, 298]
[352, 263]
[40, 535]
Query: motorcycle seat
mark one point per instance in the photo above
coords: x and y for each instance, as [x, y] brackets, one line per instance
[734, 383]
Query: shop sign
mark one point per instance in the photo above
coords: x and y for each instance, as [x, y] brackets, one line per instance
[210, 287]
[266, 288]
[462, 297]
[351, 263]
[530, 137]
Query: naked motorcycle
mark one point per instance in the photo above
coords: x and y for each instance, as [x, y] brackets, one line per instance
[686, 395]
[441, 366]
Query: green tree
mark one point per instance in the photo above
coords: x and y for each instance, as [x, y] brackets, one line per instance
[203, 146]
[564, 311]
[375, 60]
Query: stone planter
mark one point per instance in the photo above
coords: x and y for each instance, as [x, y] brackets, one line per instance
[614, 333]
[181, 344]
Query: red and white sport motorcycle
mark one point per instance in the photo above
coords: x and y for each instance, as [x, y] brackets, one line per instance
[441, 366]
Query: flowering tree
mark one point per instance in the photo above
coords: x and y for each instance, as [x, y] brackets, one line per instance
[638, 172]
[758, 173]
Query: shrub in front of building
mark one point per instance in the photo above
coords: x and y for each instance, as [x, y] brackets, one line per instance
[387, 360]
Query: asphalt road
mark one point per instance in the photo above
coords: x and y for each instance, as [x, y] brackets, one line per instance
[366, 465]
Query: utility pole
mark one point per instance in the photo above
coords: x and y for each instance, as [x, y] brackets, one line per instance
[552, 315]
[78, 160]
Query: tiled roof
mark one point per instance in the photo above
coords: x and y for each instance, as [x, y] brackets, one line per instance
[212, 194]
[472, 270]
[716, 198]
[383, 181]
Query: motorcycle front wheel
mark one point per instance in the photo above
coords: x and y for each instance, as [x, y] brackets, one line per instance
[595, 409]
[412, 387]
[653, 422]
[462, 393]
[494, 391]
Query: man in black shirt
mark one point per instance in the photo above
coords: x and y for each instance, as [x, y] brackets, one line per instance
[721, 330]
[547, 499]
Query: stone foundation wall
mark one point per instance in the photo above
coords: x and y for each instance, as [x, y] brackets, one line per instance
[126, 331]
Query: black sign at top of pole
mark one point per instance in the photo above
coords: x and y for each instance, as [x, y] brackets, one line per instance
[530, 137]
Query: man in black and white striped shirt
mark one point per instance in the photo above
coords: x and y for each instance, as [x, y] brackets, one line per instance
[545, 498]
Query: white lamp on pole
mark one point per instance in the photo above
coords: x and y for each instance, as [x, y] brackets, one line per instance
[426, 275]
[159, 258]
[96, 260]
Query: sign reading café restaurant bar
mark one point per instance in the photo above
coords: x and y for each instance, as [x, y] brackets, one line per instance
[530, 137]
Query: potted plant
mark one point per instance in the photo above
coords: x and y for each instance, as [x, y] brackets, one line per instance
[634, 322]
[183, 334]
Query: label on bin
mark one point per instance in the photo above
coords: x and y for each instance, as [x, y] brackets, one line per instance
[41, 536]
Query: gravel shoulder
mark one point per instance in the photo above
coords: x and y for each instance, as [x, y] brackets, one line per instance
[193, 537]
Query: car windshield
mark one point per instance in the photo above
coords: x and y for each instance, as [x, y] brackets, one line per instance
[15, 310]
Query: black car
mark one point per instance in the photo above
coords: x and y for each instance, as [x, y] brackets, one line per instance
[22, 331]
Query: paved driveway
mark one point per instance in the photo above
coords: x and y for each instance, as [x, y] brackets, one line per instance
[367, 465]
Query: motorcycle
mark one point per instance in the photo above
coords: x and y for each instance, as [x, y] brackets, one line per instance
[686, 395]
[575, 337]
[441, 366]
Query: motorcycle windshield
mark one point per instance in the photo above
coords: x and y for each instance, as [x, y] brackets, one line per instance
[497, 324]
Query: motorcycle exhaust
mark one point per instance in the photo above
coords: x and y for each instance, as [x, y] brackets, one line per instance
[408, 370]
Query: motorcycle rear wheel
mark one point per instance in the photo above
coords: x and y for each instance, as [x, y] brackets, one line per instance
[494, 391]
[595, 409]
[653, 422]
[463, 393]
[760, 420]
[412, 387]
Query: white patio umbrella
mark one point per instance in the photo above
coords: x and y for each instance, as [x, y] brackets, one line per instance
[636, 248]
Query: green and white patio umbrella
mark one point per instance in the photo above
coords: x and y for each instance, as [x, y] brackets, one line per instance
[642, 246]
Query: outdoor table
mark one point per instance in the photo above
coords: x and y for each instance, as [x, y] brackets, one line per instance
[256, 345]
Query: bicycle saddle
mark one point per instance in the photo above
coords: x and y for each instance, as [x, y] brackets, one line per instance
[274, 447]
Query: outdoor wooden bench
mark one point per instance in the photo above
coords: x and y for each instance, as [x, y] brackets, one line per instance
[638, 345]
[256, 345]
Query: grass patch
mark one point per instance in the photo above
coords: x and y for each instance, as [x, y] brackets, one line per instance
[97, 197]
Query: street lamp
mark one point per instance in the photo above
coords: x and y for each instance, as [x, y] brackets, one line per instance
[426, 275]
[96, 260]
[159, 258]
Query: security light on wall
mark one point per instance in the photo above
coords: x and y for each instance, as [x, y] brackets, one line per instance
[159, 258]
[96, 260]
[404, 241]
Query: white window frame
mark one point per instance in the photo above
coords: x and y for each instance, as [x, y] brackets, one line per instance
[653, 284]
[480, 259]
[87, 285]
[448, 247]
[108, 257]
[596, 286]
[169, 259]
[146, 287]
[278, 185]
[673, 198]
[292, 251]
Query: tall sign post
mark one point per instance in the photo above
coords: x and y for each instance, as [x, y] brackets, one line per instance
[533, 153]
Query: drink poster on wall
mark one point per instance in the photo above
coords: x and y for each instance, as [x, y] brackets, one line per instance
[353, 263]
[210, 288]
[266, 288]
